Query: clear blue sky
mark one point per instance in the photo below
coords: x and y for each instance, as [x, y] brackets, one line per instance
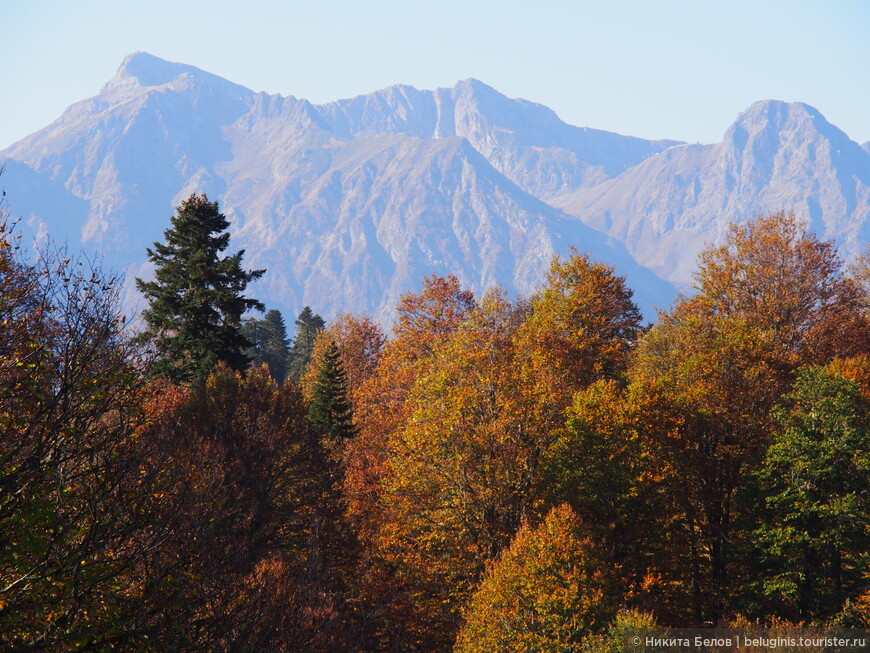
[654, 69]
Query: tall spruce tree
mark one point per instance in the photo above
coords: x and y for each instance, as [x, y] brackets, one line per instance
[196, 302]
[308, 325]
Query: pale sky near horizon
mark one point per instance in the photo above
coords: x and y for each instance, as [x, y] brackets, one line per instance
[653, 69]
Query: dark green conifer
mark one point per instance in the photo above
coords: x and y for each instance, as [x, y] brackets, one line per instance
[196, 301]
[269, 343]
[308, 325]
[331, 418]
[330, 411]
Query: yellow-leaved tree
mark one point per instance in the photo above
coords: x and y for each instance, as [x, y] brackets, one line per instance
[547, 592]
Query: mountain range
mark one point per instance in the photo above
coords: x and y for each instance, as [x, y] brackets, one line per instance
[349, 204]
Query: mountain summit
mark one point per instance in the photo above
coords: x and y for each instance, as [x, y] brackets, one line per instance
[147, 70]
[348, 204]
[776, 155]
[141, 71]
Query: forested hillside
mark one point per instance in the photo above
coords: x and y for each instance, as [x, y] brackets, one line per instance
[494, 474]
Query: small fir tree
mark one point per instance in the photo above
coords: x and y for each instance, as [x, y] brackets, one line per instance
[330, 411]
[254, 330]
[331, 419]
[196, 302]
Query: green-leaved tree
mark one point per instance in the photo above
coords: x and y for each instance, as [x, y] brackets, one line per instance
[816, 482]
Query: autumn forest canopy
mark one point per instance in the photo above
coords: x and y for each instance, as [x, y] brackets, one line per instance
[495, 474]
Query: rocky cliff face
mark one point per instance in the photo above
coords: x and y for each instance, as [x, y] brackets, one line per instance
[526, 142]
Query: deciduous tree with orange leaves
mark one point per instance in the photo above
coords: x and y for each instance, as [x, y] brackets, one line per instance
[381, 410]
[790, 287]
[582, 326]
[460, 473]
[380, 400]
[76, 507]
[603, 464]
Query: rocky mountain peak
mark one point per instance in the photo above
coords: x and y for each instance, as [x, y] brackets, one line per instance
[145, 69]
[769, 129]
[783, 121]
[140, 72]
[516, 115]
[777, 114]
[472, 86]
